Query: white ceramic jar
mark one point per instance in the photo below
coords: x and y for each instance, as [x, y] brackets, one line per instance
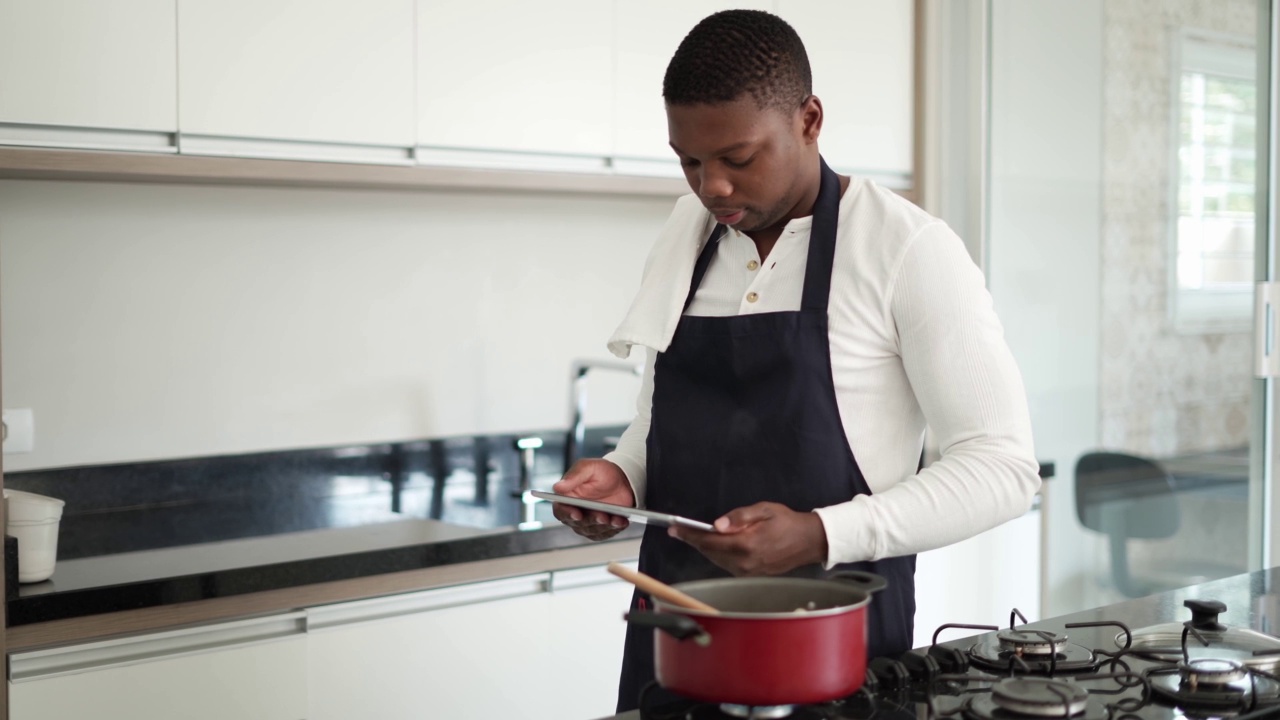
[33, 519]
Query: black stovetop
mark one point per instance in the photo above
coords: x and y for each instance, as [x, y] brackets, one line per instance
[984, 677]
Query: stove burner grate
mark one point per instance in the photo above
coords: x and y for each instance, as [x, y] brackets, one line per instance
[1040, 652]
[1038, 698]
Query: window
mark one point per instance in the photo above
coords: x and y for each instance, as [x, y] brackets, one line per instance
[1213, 209]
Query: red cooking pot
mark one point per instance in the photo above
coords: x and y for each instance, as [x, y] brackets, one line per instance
[776, 640]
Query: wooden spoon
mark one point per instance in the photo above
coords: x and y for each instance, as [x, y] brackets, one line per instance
[659, 589]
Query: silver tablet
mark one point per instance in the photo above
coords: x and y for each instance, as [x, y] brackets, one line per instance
[633, 514]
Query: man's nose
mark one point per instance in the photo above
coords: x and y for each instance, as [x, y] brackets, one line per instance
[714, 183]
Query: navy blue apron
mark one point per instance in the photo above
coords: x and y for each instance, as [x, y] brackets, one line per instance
[744, 411]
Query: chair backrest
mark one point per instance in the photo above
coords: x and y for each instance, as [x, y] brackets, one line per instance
[1125, 496]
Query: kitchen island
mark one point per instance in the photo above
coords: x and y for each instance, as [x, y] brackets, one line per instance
[902, 690]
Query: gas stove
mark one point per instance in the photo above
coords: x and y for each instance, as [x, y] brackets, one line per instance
[1024, 673]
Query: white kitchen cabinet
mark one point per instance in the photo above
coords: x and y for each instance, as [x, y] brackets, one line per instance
[646, 34]
[862, 55]
[316, 71]
[251, 669]
[588, 631]
[532, 77]
[87, 64]
[532, 647]
[472, 651]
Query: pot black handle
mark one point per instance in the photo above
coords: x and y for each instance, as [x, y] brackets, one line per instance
[870, 582]
[677, 626]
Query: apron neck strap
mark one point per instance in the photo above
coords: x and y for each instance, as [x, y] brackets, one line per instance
[822, 243]
[704, 261]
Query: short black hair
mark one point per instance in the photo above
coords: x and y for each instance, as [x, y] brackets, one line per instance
[735, 52]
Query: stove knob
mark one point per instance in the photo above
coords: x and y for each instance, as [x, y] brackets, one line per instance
[889, 672]
[951, 660]
[922, 668]
[871, 683]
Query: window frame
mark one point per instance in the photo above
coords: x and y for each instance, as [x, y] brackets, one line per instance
[1203, 310]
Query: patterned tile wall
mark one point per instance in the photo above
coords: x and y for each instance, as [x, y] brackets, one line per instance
[1161, 393]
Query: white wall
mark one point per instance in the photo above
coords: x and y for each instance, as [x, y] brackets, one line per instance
[1043, 253]
[146, 321]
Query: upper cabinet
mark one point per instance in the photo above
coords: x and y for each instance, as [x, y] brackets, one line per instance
[647, 33]
[554, 85]
[319, 71]
[531, 77]
[862, 56]
[88, 64]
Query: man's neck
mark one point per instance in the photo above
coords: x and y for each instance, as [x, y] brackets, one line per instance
[767, 238]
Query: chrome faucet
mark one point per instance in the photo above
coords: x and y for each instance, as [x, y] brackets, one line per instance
[527, 446]
[578, 401]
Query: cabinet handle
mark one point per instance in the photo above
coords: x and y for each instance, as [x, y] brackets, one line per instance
[86, 657]
[426, 600]
[586, 577]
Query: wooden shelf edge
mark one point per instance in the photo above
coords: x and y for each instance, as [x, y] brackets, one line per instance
[17, 163]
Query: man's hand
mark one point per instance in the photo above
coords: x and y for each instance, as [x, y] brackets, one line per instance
[594, 480]
[761, 539]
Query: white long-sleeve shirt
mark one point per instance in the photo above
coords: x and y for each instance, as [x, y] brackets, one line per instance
[914, 341]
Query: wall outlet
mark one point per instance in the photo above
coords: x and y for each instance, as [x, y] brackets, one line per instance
[19, 431]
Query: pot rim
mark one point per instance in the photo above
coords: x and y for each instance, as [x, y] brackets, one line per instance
[825, 612]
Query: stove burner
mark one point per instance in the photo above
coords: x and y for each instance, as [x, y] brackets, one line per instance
[1067, 657]
[768, 712]
[862, 705]
[1031, 642]
[1214, 685]
[1030, 697]
[1208, 671]
[1039, 697]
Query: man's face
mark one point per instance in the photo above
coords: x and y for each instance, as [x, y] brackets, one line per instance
[745, 162]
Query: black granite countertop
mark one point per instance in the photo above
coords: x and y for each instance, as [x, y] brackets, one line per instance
[141, 535]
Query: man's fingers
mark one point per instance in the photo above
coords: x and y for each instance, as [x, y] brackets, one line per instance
[570, 482]
[740, 518]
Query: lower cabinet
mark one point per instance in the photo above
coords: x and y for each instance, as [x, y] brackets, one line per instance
[541, 646]
[255, 670]
[544, 646]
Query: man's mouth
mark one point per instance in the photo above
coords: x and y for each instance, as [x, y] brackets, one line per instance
[728, 217]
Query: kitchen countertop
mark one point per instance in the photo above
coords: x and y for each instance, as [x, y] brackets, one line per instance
[1252, 600]
[154, 578]
[141, 536]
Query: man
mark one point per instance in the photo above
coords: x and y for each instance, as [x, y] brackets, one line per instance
[803, 327]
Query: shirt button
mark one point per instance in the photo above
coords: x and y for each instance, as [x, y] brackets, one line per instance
[753, 265]
[752, 297]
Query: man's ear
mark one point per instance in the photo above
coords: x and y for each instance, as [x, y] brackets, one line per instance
[810, 119]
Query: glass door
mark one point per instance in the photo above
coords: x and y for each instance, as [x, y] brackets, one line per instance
[1127, 227]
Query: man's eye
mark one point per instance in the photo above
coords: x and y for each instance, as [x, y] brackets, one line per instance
[688, 163]
[739, 164]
